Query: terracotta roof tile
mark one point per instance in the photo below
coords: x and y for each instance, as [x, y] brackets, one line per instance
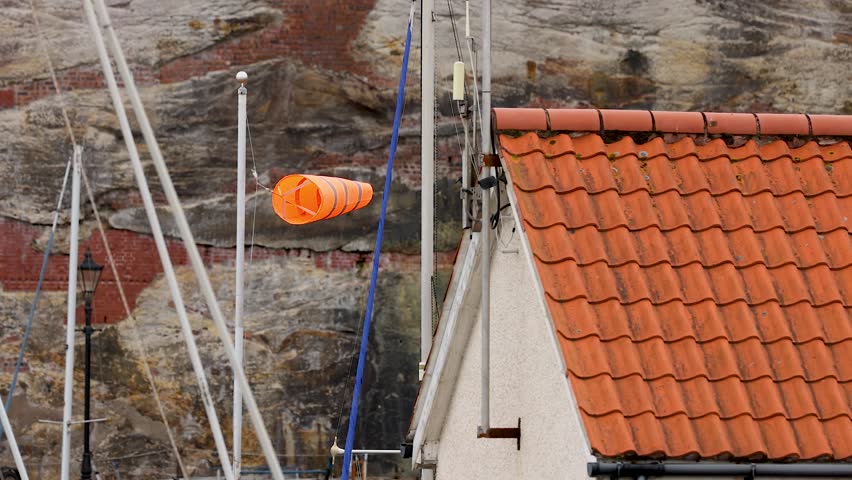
[589, 120]
[702, 294]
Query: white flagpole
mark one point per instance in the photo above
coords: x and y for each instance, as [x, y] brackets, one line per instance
[71, 322]
[240, 266]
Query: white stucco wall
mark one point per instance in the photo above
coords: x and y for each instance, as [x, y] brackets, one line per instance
[527, 381]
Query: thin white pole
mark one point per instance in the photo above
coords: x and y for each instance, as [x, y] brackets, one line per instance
[13, 444]
[240, 265]
[364, 473]
[189, 243]
[485, 299]
[71, 321]
[159, 241]
[427, 184]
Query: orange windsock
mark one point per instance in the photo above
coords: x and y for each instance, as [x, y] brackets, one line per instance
[300, 199]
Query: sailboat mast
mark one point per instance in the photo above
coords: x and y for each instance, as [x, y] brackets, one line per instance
[71, 323]
[427, 175]
[240, 264]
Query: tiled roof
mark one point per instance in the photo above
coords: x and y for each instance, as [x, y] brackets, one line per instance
[701, 293]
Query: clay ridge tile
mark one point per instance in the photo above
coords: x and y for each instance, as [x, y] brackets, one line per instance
[594, 120]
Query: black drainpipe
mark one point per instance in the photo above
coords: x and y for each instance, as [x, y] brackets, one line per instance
[617, 470]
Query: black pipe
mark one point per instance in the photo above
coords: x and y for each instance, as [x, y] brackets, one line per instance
[749, 470]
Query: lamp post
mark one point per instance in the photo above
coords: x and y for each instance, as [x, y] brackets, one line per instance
[90, 273]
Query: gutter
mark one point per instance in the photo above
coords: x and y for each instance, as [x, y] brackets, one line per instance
[643, 471]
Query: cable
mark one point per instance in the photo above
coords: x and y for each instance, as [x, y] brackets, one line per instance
[476, 108]
[362, 355]
[455, 33]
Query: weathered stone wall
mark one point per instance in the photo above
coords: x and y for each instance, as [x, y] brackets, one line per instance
[322, 85]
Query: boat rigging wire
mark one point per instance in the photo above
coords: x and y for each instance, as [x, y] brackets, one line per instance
[365, 336]
[455, 32]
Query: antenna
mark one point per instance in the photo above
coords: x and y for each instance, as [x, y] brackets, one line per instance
[458, 81]
[467, 19]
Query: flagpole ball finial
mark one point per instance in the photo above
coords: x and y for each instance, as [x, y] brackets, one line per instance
[242, 77]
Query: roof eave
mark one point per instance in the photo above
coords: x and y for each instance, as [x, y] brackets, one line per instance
[442, 367]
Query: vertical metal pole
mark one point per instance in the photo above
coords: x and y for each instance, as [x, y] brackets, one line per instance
[427, 184]
[240, 264]
[159, 241]
[364, 473]
[465, 190]
[71, 321]
[485, 305]
[86, 469]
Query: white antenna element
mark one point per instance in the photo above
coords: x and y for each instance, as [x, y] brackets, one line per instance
[242, 77]
[458, 81]
[467, 19]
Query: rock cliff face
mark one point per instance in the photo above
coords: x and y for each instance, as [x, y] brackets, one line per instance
[322, 85]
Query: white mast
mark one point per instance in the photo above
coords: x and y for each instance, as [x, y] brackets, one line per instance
[71, 322]
[427, 175]
[159, 240]
[242, 77]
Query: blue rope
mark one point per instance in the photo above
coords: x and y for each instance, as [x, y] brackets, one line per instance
[29, 327]
[365, 335]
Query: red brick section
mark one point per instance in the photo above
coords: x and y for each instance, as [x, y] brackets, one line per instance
[317, 32]
[592, 120]
[136, 257]
[22, 93]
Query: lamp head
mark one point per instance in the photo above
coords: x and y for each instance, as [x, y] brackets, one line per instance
[90, 274]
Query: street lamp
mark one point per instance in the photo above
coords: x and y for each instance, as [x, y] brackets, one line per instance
[90, 273]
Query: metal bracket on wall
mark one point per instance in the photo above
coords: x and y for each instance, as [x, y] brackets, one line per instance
[491, 160]
[502, 433]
